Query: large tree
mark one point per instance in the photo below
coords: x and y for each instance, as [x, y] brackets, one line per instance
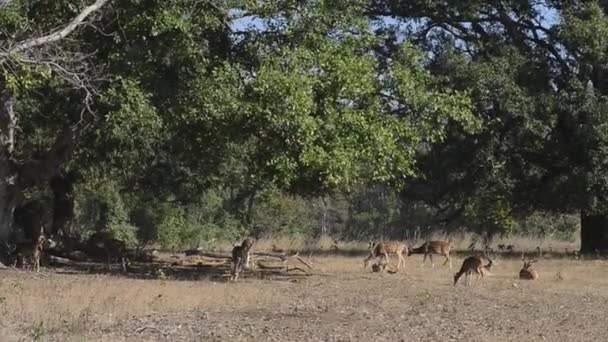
[163, 99]
[535, 71]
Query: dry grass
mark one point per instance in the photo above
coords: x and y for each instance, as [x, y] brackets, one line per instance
[341, 301]
[458, 243]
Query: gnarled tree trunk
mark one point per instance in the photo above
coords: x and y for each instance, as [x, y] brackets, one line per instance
[8, 201]
[8, 177]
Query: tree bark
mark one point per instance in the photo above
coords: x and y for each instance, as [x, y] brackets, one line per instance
[8, 177]
[63, 204]
[8, 200]
[594, 233]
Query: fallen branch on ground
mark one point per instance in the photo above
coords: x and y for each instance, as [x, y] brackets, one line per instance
[140, 330]
[61, 261]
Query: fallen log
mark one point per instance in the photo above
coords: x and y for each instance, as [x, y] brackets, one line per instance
[282, 256]
[214, 255]
[61, 261]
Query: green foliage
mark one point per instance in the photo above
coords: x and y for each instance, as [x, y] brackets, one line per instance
[196, 131]
[100, 207]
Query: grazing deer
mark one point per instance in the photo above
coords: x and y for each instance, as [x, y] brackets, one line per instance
[240, 257]
[527, 272]
[104, 245]
[473, 264]
[433, 247]
[383, 249]
[510, 248]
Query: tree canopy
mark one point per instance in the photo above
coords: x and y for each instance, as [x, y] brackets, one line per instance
[485, 112]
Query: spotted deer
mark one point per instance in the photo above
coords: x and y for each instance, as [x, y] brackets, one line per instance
[433, 247]
[527, 272]
[474, 264]
[240, 257]
[30, 250]
[383, 249]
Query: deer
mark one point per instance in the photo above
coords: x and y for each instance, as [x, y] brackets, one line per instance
[32, 250]
[433, 247]
[383, 249]
[240, 257]
[474, 264]
[104, 245]
[527, 272]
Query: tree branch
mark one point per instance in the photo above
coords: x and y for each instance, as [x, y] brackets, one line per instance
[4, 3]
[57, 35]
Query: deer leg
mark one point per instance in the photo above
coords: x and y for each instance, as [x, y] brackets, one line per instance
[366, 261]
[448, 259]
[233, 270]
[479, 275]
[431, 257]
[423, 260]
[109, 261]
[401, 260]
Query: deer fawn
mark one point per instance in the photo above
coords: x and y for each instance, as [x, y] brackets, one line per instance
[433, 247]
[240, 257]
[527, 272]
[473, 264]
[383, 249]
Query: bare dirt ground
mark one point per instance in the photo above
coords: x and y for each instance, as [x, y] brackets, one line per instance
[339, 302]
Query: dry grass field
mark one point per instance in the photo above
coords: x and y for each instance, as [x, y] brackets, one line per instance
[339, 302]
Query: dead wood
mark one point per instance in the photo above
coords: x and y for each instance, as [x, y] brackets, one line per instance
[61, 261]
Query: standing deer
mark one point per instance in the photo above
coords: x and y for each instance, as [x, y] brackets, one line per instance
[383, 249]
[31, 250]
[527, 272]
[473, 264]
[240, 257]
[104, 245]
[433, 247]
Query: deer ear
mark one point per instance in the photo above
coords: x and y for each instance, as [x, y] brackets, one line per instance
[11, 247]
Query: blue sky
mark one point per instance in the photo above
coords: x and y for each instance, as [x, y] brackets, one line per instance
[550, 18]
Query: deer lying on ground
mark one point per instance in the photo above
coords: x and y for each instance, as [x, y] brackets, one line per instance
[527, 272]
[433, 247]
[240, 258]
[474, 264]
[383, 249]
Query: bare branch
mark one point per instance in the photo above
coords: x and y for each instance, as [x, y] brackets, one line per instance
[4, 3]
[57, 35]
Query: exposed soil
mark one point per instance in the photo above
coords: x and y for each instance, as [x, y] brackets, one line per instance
[340, 302]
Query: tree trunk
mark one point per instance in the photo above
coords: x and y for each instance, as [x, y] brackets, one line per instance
[8, 192]
[594, 233]
[8, 201]
[63, 204]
